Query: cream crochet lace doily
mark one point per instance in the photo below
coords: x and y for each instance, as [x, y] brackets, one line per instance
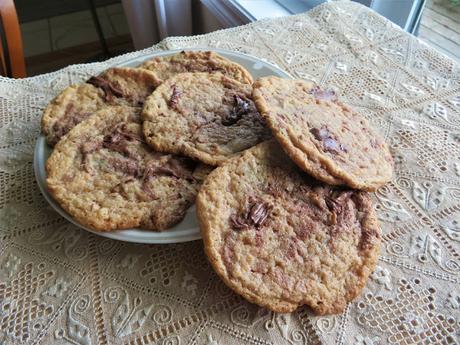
[61, 285]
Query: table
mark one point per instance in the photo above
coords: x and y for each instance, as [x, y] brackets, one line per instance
[61, 285]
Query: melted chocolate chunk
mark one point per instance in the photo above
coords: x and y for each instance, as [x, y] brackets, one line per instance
[127, 166]
[341, 209]
[160, 171]
[169, 171]
[118, 140]
[335, 202]
[90, 146]
[119, 187]
[70, 119]
[320, 133]
[326, 95]
[330, 143]
[176, 93]
[255, 217]
[175, 167]
[333, 205]
[238, 222]
[124, 131]
[109, 89]
[259, 213]
[241, 107]
[184, 167]
[150, 194]
[149, 172]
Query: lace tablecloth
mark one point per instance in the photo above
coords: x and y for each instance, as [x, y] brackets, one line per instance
[62, 285]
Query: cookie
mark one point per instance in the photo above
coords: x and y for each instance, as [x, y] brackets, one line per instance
[282, 239]
[116, 86]
[323, 136]
[208, 117]
[196, 61]
[107, 178]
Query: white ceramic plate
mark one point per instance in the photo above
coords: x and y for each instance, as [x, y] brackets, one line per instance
[187, 230]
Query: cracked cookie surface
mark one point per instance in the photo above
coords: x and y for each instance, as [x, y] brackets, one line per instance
[281, 239]
[115, 86]
[165, 67]
[208, 117]
[105, 176]
[323, 136]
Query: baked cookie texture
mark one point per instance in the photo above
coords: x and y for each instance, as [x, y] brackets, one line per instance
[115, 86]
[105, 176]
[196, 61]
[323, 136]
[281, 239]
[208, 117]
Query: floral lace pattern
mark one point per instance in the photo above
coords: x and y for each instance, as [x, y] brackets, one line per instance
[61, 285]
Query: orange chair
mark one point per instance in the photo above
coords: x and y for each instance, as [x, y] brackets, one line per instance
[12, 62]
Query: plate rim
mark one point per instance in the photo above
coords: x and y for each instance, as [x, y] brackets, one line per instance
[120, 235]
[39, 166]
[217, 50]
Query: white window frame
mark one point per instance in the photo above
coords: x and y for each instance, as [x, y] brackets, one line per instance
[238, 12]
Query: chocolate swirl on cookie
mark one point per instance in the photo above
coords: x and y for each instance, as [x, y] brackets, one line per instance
[109, 89]
[240, 107]
[176, 93]
[255, 216]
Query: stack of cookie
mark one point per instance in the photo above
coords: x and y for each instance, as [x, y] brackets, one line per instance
[289, 222]
[285, 217]
[107, 175]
